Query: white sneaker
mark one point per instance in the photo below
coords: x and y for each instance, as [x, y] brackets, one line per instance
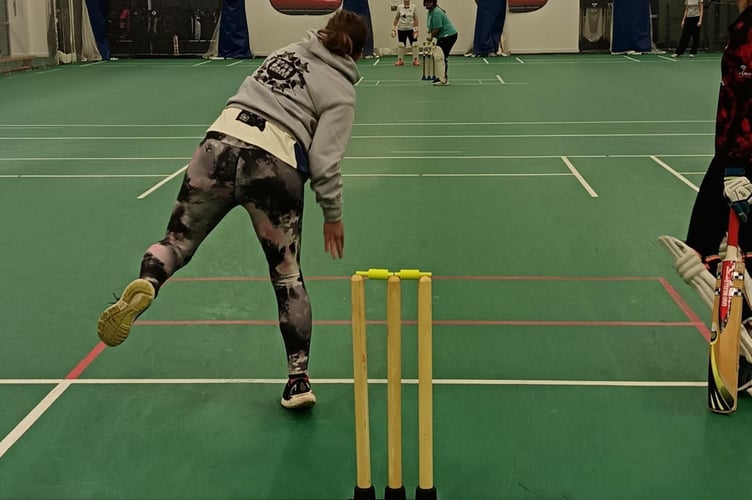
[674, 55]
[441, 83]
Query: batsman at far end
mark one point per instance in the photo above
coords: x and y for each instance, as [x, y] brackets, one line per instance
[726, 184]
[442, 29]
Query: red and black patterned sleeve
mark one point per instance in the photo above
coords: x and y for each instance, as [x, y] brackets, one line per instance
[733, 135]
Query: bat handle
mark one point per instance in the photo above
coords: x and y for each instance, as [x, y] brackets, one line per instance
[733, 229]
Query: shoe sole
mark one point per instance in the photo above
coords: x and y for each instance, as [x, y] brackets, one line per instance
[305, 400]
[115, 322]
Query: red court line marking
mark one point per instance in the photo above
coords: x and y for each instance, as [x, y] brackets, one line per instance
[441, 322]
[693, 319]
[86, 361]
[30, 419]
[688, 312]
[438, 278]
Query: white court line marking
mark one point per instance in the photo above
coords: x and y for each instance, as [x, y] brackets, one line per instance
[358, 82]
[520, 60]
[466, 157]
[464, 174]
[382, 175]
[236, 62]
[675, 173]
[162, 182]
[632, 59]
[371, 174]
[401, 136]
[377, 82]
[41, 72]
[24, 425]
[377, 62]
[201, 63]
[424, 152]
[346, 381]
[454, 82]
[553, 174]
[91, 64]
[580, 178]
[524, 136]
[71, 158]
[35, 127]
[673, 60]
[485, 60]
[498, 77]
[379, 124]
[101, 138]
[76, 176]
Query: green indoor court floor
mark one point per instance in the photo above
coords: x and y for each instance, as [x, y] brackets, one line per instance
[569, 360]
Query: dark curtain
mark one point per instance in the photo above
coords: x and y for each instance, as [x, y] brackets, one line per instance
[98, 18]
[233, 31]
[489, 23]
[631, 26]
[361, 7]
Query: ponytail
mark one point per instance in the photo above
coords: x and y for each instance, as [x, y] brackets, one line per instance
[345, 34]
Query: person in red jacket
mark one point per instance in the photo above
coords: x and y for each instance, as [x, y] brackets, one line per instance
[727, 180]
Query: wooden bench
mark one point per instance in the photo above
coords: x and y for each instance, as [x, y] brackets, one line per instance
[26, 63]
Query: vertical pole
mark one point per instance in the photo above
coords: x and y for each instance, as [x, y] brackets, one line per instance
[360, 383]
[72, 31]
[425, 488]
[394, 487]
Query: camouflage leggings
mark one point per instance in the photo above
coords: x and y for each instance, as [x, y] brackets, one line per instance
[226, 172]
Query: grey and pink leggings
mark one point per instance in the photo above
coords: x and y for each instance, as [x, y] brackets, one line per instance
[223, 173]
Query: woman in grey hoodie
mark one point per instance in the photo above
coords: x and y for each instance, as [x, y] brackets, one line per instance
[290, 121]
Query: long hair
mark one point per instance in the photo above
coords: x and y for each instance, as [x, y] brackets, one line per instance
[345, 34]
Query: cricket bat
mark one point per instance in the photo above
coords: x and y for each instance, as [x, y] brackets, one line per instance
[725, 328]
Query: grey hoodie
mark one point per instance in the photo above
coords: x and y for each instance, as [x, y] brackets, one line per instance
[308, 91]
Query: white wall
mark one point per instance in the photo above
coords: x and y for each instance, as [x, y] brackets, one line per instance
[553, 28]
[270, 30]
[28, 25]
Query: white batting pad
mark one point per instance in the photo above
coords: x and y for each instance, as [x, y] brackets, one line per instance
[690, 267]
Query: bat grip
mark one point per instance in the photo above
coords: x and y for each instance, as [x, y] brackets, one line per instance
[733, 229]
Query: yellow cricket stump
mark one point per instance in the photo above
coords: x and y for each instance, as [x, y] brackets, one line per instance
[394, 382]
[394, 490]
[425, 488]
[363, 487]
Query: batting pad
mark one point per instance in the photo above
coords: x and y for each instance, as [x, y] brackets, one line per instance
[691, 269]
[439, 64]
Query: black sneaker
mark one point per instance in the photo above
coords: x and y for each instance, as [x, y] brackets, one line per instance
[745, 376]
[298, 393]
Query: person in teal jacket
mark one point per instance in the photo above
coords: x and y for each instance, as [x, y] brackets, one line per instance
[441, 29]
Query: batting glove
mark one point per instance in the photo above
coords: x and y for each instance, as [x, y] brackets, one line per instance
[738, 192]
